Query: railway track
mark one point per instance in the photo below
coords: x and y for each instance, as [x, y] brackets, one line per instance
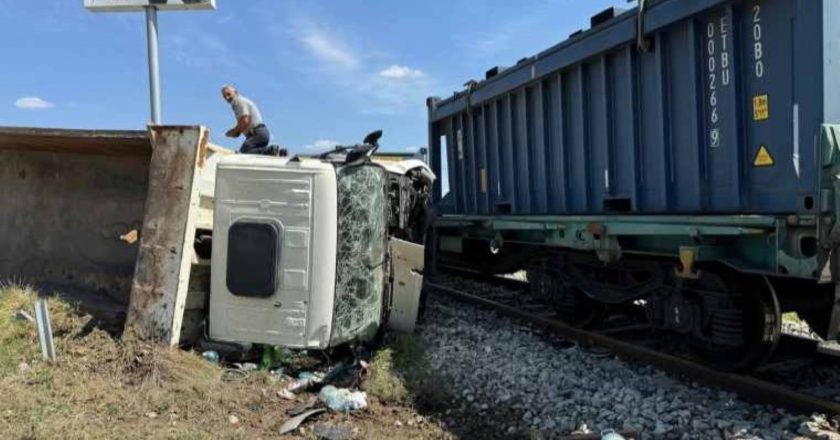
[750, 388]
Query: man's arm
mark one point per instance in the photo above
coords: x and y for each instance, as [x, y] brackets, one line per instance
[241, 126]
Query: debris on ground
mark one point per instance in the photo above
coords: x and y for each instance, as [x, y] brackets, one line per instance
[104, 387]
[303, 407]
[295, 422]
[211, 356]
[246, 366]
[611, 435]
[305, 381]
[342, 399]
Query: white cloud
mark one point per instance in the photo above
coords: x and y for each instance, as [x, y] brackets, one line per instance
[198, 49]
[401, 72]
[322, 145]
[327, 48]
[33, 103]
[352, 66]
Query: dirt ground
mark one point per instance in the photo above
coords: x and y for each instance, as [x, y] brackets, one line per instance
[103, 388]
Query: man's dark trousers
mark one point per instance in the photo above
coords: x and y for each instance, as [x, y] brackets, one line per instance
[257, 141]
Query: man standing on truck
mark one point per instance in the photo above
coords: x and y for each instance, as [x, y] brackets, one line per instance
[249, 122]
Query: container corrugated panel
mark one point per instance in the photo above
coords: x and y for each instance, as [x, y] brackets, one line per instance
[719, 115]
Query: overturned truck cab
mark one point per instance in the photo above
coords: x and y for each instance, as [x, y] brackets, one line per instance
[311, 253]
[308, 252]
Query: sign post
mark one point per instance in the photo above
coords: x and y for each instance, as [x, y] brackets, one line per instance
[150, 7]
[154, 66]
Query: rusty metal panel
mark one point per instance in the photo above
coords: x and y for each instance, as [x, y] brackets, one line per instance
[68, 196]
[159, 291]
[88, 142]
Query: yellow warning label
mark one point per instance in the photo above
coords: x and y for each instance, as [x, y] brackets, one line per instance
[763, 158]
[761, 108]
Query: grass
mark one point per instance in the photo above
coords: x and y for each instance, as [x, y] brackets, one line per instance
[399, 374]
[102, 388]
[791, 317]
[14, 333]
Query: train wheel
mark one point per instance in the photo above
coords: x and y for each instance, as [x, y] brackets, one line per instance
[742, 321]
[571, 304]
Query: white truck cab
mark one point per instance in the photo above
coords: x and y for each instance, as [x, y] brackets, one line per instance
[312, 253]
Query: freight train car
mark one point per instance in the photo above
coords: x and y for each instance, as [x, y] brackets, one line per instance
[679, 156]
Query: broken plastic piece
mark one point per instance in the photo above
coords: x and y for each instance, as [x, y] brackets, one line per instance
[304, 381]
[303, 407]
[294, 422]
[286, 394]
[211, 356]
[611, 435]
[247, 366]
[131, 237]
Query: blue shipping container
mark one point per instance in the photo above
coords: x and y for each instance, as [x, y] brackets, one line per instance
[716, 110]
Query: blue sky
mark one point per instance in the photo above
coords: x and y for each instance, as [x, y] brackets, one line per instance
[321, 71]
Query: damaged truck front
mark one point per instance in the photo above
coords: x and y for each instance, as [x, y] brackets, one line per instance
[316, 252]
[308, 253]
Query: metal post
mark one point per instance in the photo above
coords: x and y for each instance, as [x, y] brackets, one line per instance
[45, 336]
[154, 71]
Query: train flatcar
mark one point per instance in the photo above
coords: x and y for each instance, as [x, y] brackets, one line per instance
[679, 156]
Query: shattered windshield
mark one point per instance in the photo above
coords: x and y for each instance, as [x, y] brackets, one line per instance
[360, 269]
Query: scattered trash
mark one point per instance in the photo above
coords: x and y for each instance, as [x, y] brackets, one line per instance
[342, 399]
[23, 315]
[286, 394]
[398, 424]
[151, 415]
[304, 381]
[247, 366]
[303, 407]
[233, 419]
[211, 356]
[305, 375]
[330, 432]
[23, 367]
[293, 423]
[611, 435]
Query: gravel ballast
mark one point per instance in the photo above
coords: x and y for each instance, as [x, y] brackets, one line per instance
[523, 382]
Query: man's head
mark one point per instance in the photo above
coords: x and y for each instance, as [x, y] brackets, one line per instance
[228, 93]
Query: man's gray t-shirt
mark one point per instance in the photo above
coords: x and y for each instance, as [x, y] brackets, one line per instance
[243, 106]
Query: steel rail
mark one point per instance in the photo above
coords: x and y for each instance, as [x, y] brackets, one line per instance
[750, 389]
